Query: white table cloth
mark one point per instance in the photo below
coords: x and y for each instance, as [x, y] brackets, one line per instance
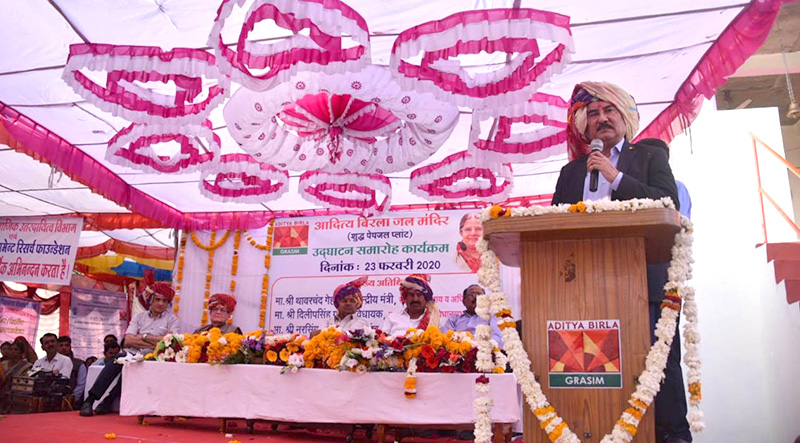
[308, 396]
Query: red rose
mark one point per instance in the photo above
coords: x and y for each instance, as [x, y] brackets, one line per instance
[447, 369]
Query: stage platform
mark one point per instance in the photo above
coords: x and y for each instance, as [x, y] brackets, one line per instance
[64, 427]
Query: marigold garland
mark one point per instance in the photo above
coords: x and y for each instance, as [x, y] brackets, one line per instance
[211, 244]
[676, 293]
[267, 247]
[179, 282]
[210, 267]
[237, 239]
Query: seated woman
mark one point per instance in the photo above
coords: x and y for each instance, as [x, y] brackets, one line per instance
[220, 309]
[13, 366]
[347, 300]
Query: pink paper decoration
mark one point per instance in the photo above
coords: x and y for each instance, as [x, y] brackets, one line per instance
[127, 67]
[549, 112]
[357, 192]
[132, 147]
[320, 51]
[240, 179]
[495, 30]
[459, 178]
[358, 122]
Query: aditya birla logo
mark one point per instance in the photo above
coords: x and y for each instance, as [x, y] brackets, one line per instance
[291, 238]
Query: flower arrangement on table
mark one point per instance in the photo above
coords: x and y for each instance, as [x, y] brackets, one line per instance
[258, 347]
[170, 348]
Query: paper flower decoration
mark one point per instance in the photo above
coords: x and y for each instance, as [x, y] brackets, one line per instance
[128, 67]
[347, 191]
[239, 178]
[132, 147]
[359, 122]
[543, 119]
[509, 31]
[321, 51]
[458, 178]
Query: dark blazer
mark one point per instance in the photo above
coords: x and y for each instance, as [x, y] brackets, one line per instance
[646, 174]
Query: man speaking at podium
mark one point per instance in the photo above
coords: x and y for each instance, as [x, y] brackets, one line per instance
[601, 119]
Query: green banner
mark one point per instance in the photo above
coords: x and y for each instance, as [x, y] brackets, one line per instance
[585, 380]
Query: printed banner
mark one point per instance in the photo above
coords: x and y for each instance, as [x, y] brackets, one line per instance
[94, 314]
[39, 249]
[584, 354]
[312, 256]
[18, 317]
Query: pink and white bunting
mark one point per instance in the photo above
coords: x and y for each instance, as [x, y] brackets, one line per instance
[355, 192]
[133, 147]
[512, 31]
[129, 68]
[541, 132]
[239, 178]
[327, 21]
[358, 122]
[459, 178]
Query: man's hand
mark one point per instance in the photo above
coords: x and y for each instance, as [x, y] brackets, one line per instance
[598, 161]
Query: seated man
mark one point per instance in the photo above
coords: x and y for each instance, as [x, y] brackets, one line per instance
[220, 309]
[347, 300]
[421, 310]
[110, 338]
[110, 350]
[144, 332]
[469, 319]
[53, 361]
[77, 380]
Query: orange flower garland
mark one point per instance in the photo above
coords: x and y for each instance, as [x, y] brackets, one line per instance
[237, 239]
[181, 253]
[211, 248]
[267, 247]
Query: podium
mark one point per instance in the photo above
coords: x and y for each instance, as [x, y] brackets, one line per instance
[585, 318]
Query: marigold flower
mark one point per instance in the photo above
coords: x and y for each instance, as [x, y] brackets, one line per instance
[272, 356]
[110, 436]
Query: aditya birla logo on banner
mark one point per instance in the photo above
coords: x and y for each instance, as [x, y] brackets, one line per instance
[291, 238]
[584, 354]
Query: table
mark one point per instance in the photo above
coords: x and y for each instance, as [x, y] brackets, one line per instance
[321, 396]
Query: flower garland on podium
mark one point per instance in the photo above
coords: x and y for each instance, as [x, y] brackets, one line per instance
[676, 293]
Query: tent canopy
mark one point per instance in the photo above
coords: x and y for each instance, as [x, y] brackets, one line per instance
[668, 55]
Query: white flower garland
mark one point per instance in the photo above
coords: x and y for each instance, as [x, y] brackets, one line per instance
[650, 379]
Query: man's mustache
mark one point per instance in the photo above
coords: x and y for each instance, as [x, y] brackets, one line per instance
[604, 125]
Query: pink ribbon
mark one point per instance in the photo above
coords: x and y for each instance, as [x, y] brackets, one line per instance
[319, 187]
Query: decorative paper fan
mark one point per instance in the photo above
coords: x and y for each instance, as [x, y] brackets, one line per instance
[512, 31]
[545, 117]
[347, 191]
[132, 147]
[321, 51]
[239, 178]
[359, 122]
[458, 178]
[129, 68]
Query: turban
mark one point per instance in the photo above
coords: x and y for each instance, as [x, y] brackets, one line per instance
[151, 287]
[588, 92]
[351, 288]
[416, 282]
[224, 300]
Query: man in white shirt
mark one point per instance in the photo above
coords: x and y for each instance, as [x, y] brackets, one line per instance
[143, 334]
[420, 311]
[347, 300]
[53, 361]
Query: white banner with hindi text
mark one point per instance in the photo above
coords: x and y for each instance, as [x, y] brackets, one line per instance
[39, 249]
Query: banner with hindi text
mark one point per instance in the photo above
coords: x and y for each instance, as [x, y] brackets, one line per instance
[39, 249]
[95, 313]
[18, 317]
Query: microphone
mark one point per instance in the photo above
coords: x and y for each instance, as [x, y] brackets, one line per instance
[597, 146]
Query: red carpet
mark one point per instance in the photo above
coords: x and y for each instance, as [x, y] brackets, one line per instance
[58, 427]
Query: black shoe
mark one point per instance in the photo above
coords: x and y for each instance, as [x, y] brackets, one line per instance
[103, 408]
[86, 409]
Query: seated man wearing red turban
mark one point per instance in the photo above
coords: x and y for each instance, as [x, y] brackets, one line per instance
[220, 309]
[421, 310]
[144, 332]
[348, 300]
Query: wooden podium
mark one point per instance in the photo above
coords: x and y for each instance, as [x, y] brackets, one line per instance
[586, 267]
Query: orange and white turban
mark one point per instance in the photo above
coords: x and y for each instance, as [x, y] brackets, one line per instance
[225, 300]
[588, 92]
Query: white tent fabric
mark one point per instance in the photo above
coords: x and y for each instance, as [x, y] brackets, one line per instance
[648, 48]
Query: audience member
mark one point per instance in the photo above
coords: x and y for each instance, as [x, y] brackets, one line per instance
[4, 349]
[220, 309]
[144, 332]
[90, 360]
[110, 338]
[28, 352]
[469, 319]
[77, 379]
[14, 365]
[347, 300]
[53, 361]
[110, 350]
[420, 308]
